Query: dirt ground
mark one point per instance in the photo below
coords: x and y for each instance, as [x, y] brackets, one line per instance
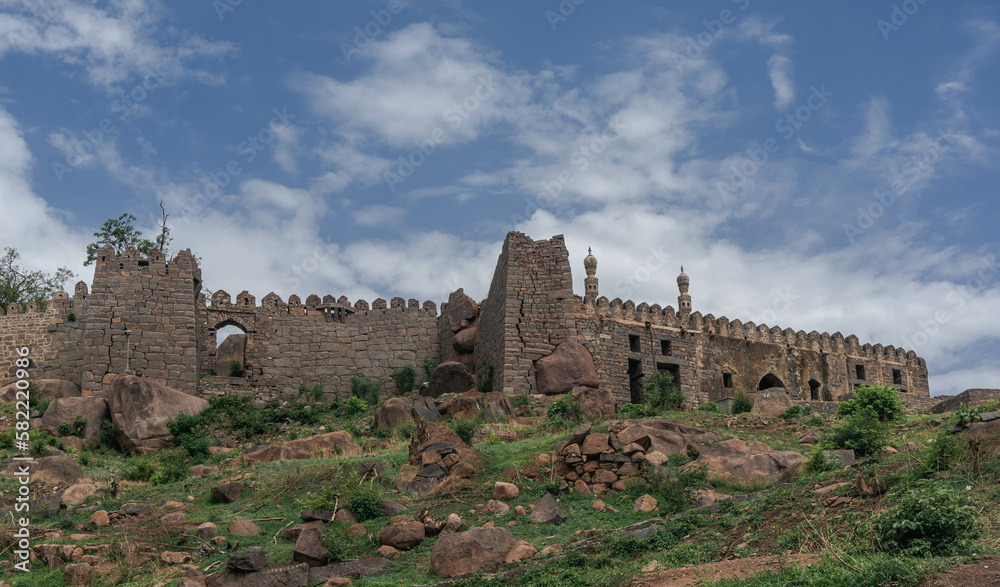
[984, 572]
[741, 567]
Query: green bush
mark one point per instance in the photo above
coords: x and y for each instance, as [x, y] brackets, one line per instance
[366, 502]
[315, 393]
[342, 546]
[346, 490]
[928, 519]
[632, 411]
[464, 429]
[7, 438]
[186, 431]
[405, 430]
[405, 378]
[43, 404]
[817, 462]
[742, 403]
[354, 406]
[71, 317]
[485, 382]
[816, 420]
[941, 453]
[520, 400]
[565, 408]
[235, 368]
[80, 426]
[107, 435]
[171, 465]
[382, 432]
[862, 431]
[711, 407]
[366, 388]
[428, 367]
[139, 469]
[660, 392]
[792, 412]
[883, 401]
[65, 429]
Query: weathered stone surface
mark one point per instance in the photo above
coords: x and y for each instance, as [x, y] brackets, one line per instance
[206, 531]
[461, 311]
[331, 444]
[476, 549]
[309, 549]
[346, 517]
[811, 437]
[392, 413]
[99, 518]
[293, 532]
[247, 561]
[174, 558]
[568, 366]
[645, 503]
[424, 409]
[364, 567]
[465, 340]
[76, 494]
[505, 491]
[496, 507]
[522, 551]
[745, 461]
[637, 435]
[50, 388]
[402, 533]
[65, 410]
[596, 402]
[771, 402]
[290, 576]
[227, 492]
[60, 469]
[78, 574]
[547, 511]
[450, 377]
[388, 551]
[243, 527]
[321, 515]
[595, 444]
[706, 497]
[173, 521]
[453, 525]
[140, 409]
[972, 398]
[134, 509]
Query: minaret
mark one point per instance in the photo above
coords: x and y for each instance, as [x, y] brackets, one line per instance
[683, 300]
[590, 282]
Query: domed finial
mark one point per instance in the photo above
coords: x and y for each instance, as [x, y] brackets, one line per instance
[683, 300]
[590, 282]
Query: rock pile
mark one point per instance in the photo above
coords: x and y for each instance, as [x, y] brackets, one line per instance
[597, 463]
[436, 453]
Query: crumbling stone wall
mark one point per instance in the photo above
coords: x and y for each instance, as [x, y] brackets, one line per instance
[153, 298]
[528, 312]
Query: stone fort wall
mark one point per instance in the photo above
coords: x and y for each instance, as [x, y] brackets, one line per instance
[530, 310]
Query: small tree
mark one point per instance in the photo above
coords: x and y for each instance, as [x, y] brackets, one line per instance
[405, 377]
[742, 403]
[882, 400]
[20, 286]
[659, 391]
[121, 234]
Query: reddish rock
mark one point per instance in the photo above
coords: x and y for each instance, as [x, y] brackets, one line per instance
[465, 340]
[496, 507]
[595, 444]
[402, 533]
[450, 377]
[505, 491]
[331, 444]
[522, 551]
[475, 550]
[570, 365]
[140, 409]
[226, 493]
[547, 511]
[309, 549]
[65, 410]
[58, 469]
[78, 574]
[392, 413]
[646, 503]
[461, 310]
[596, 402]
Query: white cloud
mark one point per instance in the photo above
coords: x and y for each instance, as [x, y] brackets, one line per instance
[379, 216]
[113, 45]
[779, 68]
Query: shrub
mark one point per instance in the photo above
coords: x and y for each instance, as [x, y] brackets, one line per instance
[883, 401]
[71, 317]
[315, 393]
[929, 519]
[711, 407]
[7, 438]
[862, 431]
[659, 391]
[485, 382]
[464, 429]
[346, 490]
[171, 465]
[630, 411]
[428, 367]
[354, 406]
[817, 462]
[382, 432]
[139, 469]
[405, 430]
[65, 429]
[366, 388]
[235, 368]
[565, 408]
[366, 502]
[742, 403]
[942, 452]
[43, 404]
[520, 400]
[405, 378]
[792, 412]
[342, 546]
[816, 420]
[107, 435]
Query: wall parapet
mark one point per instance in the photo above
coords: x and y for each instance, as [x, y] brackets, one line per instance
[273, 305]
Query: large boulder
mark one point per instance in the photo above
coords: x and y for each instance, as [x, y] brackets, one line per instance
[402, 533]
[64, 410]
[425, 409]
[747, 462]
[497, 407]
[972, 398]
[231, 349]
[59, 469]
[461, 311]
[475, 550]
[596, 402]
[771, 402]
[321, 446]
[140, 409]
[667, 437]
[569, 365]
[449, 377]
[51, 388]
[392, 413]
[464, 342]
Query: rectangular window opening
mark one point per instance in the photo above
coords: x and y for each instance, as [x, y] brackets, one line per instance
[897, 377]
[635, 380]
[674, 370]
[727, 380]
[859, 371]
[664, 347]
[633, 343]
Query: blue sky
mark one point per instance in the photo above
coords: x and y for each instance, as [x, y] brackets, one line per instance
[827, 166]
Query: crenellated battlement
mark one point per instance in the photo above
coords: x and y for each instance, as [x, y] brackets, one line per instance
[273, 305]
